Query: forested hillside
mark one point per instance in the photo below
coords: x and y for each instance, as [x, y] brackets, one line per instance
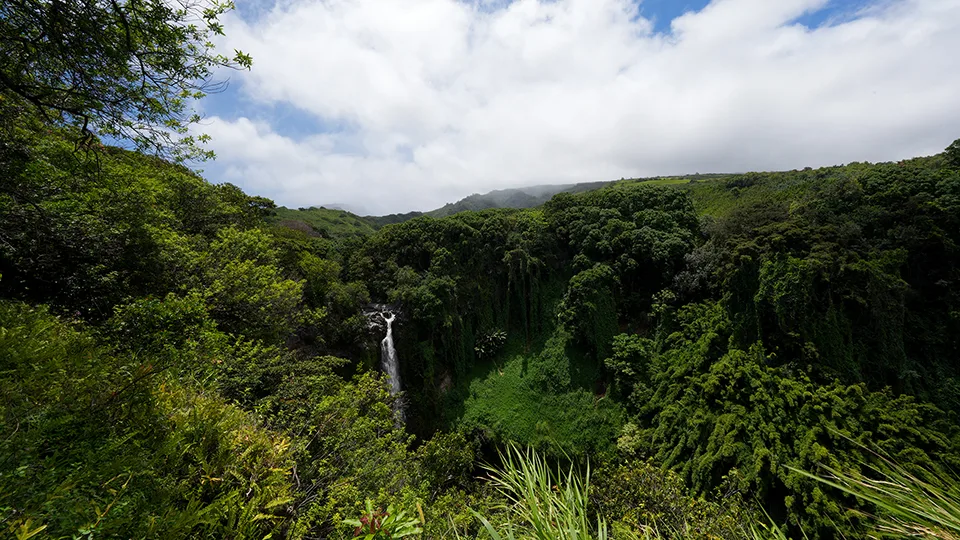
[177, 362]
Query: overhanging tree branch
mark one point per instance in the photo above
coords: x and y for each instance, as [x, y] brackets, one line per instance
[124, 69]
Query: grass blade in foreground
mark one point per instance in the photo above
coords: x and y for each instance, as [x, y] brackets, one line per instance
[543, 504]
[907, 505]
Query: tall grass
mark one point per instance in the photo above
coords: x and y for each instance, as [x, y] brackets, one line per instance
[906, 505]
[544, 503]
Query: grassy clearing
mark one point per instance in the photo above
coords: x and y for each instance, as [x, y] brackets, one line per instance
[545, 400]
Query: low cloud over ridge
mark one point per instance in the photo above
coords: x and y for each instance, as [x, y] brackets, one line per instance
[413, 104]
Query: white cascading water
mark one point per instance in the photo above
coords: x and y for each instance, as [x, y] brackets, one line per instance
[388, 355]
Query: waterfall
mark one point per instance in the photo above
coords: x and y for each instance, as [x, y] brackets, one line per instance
[388, 355]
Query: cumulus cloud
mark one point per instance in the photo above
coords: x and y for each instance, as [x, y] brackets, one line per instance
[437, 99]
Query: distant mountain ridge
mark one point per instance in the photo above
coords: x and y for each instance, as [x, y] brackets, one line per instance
[336, 221]
[525, 197]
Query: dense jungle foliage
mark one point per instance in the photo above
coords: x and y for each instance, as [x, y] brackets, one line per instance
[178, 361]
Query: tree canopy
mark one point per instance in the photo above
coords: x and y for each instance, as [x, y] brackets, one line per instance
[122, 69]
[953, 154]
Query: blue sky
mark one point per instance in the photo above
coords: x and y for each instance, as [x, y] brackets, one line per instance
[392, 106]
[662, 12]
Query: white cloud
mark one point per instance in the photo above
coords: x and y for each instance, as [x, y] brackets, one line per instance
[446, 98]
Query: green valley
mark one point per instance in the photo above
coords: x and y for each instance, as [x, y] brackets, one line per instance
[178, 360]
[710, 356]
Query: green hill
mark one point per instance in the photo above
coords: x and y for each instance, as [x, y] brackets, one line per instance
[325, 222]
